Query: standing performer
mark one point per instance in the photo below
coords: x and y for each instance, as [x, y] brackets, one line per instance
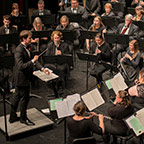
[23, 70]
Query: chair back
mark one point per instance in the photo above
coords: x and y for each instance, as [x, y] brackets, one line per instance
[87, 140]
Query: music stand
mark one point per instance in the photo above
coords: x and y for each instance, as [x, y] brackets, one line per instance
[141, 44]
[20, 20]
[73, 17]
[40, 34]
[117, 39]
[46, 19]
[9, 38]
[140, 24]
[131, 10]
[87, 58]
[85, 34]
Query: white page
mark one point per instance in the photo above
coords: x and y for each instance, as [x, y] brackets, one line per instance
[45, 77]
[97, 97]
[118, 83]
[62, 109]
[140, 116]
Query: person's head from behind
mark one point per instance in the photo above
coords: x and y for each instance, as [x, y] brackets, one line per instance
[64, 21]
[99, 38]
[79, 108]
[37, 23]
[25, 37]
[139, 10]
[56, 37]
[108, 8]
[40, 5]
[74, 4]
[141, 76]
[15, 9]
[128, 19]
[6, 20]
[122, 98]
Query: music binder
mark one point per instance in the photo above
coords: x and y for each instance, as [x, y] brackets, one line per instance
[45, 77]
[136, 122]
[92, 99]
[117, 83]
[65, 108]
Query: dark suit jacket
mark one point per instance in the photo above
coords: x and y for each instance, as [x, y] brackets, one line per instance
[93, 6]
[11, 30]
[64, 48]
[133, 31]
[80, 10]
[36, 12]
[23, 66]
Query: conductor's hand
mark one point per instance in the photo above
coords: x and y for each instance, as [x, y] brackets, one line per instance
[35, 58]
[101, 117]
[46, 71]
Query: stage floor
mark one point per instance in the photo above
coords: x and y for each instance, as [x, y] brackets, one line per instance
[16, 128]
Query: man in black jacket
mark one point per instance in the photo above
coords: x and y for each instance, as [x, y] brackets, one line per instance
[23, 71]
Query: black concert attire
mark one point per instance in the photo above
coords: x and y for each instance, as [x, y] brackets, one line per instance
[63, 69]
[42, 44]
[133, 4]
[23, 74]
[132, 66]
[97, 68]
[81, 128]
[116, 126]
[44, 12]
[110, 14]
[7, 47]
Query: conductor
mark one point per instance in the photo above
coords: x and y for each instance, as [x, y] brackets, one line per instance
[23, 70]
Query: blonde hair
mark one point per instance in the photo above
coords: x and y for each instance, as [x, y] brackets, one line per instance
[64, 17]
[101, 23]
[57, 33]
[37, 20]
[14, 6]
[109, 5]
[136, 49]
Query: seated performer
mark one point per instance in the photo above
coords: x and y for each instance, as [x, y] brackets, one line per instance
[121, 108]
[40, 44]
[108, 10]
[131, 60]
[57, 47]
[7, 29]
[96, 26]
[80, 126]
[102, 50]
[137, 91]
[139, 14]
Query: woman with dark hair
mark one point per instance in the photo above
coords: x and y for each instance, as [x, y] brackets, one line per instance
[102, 50]
[131, 60]
[120, 109]
[80, 126]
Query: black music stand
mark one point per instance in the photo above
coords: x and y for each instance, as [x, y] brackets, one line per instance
[40, 34]
[140, 24]
[85, 34]
[131, 10]
[73, 17]
[9, 38]
[141, 44]
[87, 58]
[117, 39]
[46, 19]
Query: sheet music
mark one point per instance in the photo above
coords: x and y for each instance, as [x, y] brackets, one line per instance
[65, 108]
[118, 83]
[44, 77]
[93, 99]
[140, 116]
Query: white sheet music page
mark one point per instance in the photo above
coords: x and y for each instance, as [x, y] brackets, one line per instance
[93, 99]
[118, 83]
[45, 77]
[140, 116]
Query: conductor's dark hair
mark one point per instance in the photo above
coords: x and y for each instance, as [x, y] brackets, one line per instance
[24, 34]
[79, 108]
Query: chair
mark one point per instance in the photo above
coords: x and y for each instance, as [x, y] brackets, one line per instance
[87, 140]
